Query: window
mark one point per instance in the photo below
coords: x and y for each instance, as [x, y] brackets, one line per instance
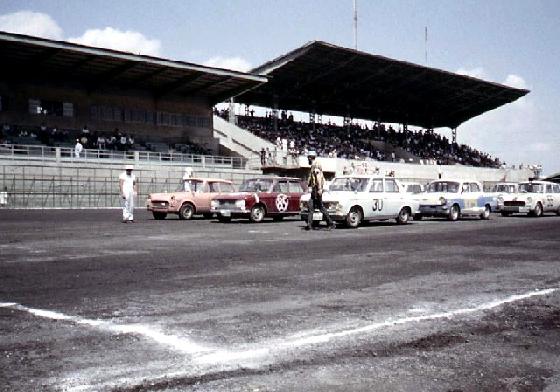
[548, 188]
[194, 186]
[475, 187]
[556, 188]
[376, 185]
[443, 186]
[226, 188]
[295, 187]
[214, 187]
[391, 186]
[281, 186]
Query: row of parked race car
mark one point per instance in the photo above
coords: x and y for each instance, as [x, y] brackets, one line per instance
[353, 199]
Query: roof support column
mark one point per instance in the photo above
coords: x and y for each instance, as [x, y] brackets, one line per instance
[454, 135]
[231, 110]
[275, 112]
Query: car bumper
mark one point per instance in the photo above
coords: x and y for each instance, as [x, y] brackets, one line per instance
[318, 216]
[430, 210]
[516, 209]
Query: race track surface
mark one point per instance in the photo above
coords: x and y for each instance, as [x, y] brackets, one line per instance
[90, 304]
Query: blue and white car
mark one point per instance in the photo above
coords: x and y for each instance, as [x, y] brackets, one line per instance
[454, 199]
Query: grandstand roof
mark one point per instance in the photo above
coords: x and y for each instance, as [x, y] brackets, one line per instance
[30, 57]
[345, 82]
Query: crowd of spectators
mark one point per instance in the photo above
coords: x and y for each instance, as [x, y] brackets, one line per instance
[99, 140]
[355, 141]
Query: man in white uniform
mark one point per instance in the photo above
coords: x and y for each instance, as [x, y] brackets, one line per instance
[78, 148]
[128, 187]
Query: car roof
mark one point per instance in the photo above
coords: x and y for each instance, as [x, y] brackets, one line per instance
[365, 176]
[273, 178]
[454, 180]
[209, 179]
[538, 182]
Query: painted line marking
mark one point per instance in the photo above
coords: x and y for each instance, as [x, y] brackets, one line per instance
[176, 343]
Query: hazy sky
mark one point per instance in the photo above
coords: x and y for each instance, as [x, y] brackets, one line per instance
[514, 42]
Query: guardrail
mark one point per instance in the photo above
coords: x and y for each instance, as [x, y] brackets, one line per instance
[67, 154]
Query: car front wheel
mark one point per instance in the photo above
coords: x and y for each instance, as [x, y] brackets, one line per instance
[354, 218]
[453, 213]
[159, 215]
[257, 214]
[186, 212]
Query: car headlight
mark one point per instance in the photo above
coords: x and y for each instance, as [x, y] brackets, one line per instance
[240, 204]
[214, 204]
[442, 201]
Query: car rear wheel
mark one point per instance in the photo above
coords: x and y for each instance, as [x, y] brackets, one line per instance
[453, 213]
[486, 214]
[354, 218]
[186, 212]
[159, 215]
[403, 217]
[257, 214]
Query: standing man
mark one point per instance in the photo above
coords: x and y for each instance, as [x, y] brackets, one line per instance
[78, 148]
[128, 187]
[315, 183]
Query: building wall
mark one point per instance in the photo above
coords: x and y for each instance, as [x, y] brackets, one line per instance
[169, 119]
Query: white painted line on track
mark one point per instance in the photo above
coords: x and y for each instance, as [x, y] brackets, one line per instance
[179, 344]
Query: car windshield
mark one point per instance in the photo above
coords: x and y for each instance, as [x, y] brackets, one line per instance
[505, 188]
[191, 186]
[414, 188]
[352, 184]
[256, 185]
[444, 186]
[531, 188]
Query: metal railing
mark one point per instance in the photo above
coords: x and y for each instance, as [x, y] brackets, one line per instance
[67, 154]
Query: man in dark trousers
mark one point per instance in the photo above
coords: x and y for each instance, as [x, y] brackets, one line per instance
[315, 183]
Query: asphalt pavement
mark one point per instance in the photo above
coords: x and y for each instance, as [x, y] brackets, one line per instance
[88, 303]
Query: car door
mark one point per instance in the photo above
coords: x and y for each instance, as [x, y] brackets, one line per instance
[392, 199]
[295, 189]
[281, 197]
[375, 205]
[210, 189]
[469, 198]
[549, 198]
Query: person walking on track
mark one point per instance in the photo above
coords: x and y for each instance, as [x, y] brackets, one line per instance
[316, 183]
[128, 188]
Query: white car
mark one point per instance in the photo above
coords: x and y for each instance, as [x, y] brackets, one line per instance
[353, 199]
[455, 198]
[414, 188]
[534, 198]
[504, 191]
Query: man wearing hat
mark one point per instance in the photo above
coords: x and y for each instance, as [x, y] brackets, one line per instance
[315, 183]
[128, 187]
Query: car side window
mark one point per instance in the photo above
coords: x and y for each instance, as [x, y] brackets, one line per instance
[465, 188]
[556, 188]
[213, 187]
[391, 186]
[281, 186]
[295, 187]
[376, 185]
[549, 188]
[475, 187]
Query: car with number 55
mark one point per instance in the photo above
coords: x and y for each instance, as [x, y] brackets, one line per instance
[258, 198]
[353, 199]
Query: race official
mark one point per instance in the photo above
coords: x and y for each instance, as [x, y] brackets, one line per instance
[316, 182]
[128, 188]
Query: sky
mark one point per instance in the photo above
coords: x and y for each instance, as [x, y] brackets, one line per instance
[513, 42]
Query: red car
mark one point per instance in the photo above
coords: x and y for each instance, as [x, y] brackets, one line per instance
[258, 198]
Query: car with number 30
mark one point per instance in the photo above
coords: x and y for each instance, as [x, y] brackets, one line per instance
[534, 198]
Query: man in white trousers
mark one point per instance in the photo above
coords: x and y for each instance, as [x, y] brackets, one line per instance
[128, 188]
[78, 148]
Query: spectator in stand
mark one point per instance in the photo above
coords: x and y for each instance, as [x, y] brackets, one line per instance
[101, 142]
[263, 157]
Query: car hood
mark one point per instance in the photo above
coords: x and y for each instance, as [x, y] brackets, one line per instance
[433, 198]
[160, 196]
[335, 195]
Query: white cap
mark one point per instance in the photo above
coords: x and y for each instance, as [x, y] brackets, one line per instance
[128, 167]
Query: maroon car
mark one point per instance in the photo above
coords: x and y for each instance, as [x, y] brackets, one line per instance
[258, 198]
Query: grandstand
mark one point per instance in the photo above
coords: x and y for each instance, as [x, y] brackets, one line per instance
[158, 114]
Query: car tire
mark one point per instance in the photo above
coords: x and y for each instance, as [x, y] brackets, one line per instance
[224, 219]
[486, 214]
[354, 218]
[403, 217]
[418, 217]
[257, 214]
[506, 213]
[159, 215]
[186, 212]
[538, 211]
[454, 213]
[208, 215]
